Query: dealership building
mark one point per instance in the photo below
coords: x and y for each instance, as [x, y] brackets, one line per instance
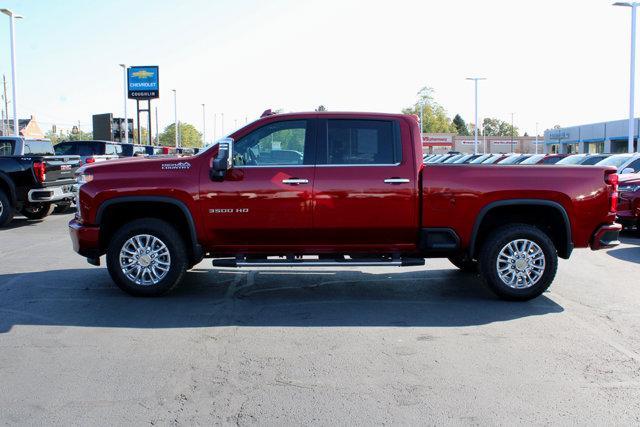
[438, 143]
[604, 137]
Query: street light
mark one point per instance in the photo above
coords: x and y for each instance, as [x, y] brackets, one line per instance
[175, 114]
[12, 17]
[475, 137]
[632, 76]
[126, 117]
[204, 127]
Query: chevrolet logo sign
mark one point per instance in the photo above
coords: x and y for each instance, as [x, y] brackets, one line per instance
[142, 74]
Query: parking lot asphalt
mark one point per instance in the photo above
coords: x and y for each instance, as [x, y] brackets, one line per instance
[292, 346]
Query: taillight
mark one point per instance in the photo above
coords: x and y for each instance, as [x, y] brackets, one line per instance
[40, 170]
[611, 178]
[90, 160]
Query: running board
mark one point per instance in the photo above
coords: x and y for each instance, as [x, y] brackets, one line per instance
[264, 262]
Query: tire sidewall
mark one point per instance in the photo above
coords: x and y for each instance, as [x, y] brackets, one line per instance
[7, 210]
[169, 236]
[493, 247]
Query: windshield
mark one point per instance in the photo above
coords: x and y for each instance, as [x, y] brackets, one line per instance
[572, 160]
[40, 148]
[492, 160]
[480, 159]
[592, 160]
[533, 159]
[616, 161]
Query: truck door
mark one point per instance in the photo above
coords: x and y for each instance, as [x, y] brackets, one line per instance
[266, 198]
[366, 190]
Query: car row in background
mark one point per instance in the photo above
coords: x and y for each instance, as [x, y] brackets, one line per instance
[99, 151]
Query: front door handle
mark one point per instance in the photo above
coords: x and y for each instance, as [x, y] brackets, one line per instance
[295, 181]
[396, 181]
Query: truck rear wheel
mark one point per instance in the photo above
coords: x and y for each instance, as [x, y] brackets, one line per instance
[6, 210]
[518, 262]
[147, 257]
[37, 210]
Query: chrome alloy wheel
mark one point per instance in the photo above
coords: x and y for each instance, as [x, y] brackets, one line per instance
[1, 208]
[145, 259]
[520, 264]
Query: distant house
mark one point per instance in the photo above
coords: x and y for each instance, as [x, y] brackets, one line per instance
[29, 128]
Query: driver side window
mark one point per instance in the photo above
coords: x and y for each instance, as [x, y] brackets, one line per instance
[276, 144]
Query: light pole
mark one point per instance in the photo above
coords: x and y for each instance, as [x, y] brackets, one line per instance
[12, 17]
[204, 127]
[632, 74]
[536, 137]
[215, 127]
[175, 114]
[512, 132]
[475, 133]
[126, 117]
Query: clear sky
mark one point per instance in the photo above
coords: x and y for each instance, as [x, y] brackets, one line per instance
[553, 62]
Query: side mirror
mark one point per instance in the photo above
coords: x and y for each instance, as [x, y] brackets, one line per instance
[223, 161]
[628, 170]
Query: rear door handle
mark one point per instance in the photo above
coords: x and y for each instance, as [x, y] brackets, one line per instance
[396, 181]
[295, 181]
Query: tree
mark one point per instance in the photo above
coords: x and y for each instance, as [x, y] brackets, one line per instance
[144, 136]
[189, 136]
[434, 115]
[321, 108]
[497, 127]
[461, 126]
[68, 136]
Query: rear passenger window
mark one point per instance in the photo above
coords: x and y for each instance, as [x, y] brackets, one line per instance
[113, 149]
[360, 142]
[6, 148]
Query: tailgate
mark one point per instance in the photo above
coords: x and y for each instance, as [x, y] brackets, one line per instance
[60, 169]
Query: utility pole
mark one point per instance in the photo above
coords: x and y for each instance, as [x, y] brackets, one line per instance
[126, 119]
[204, 127]
[12, 18]
[175, 115]
[5, 119]
[632, 72]
[475, 133]
[512, 132]
[157, 134]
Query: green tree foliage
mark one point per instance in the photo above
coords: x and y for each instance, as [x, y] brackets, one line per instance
[144, 136]
[497, 127]
[189, 136]
[435, 116]
[461, 126]
[68, 136]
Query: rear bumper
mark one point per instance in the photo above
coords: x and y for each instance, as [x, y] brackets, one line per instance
[51, 194]
[85, 239]
[606, 237]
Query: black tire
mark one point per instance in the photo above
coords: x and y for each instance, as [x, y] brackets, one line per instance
[498, 240]
[6, 210]
[168, 235]
[37, 211]
[464, 264]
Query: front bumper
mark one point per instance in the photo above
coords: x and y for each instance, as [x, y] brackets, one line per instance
[52, 194]
[85, 239]
[606, 237]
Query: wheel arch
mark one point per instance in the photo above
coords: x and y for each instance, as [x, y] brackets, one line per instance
[160, 207]
[560, 233]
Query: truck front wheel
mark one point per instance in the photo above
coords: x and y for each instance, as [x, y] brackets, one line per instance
[147, 257]
[518, 262]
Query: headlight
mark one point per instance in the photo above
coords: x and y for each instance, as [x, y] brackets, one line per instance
[83, 178]
[629, 188]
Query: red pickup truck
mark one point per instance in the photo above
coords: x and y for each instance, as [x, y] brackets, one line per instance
[337, 189]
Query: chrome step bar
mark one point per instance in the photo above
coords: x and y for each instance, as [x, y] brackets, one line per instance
[289, 262]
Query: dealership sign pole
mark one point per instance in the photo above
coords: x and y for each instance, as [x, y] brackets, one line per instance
[143, 85]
